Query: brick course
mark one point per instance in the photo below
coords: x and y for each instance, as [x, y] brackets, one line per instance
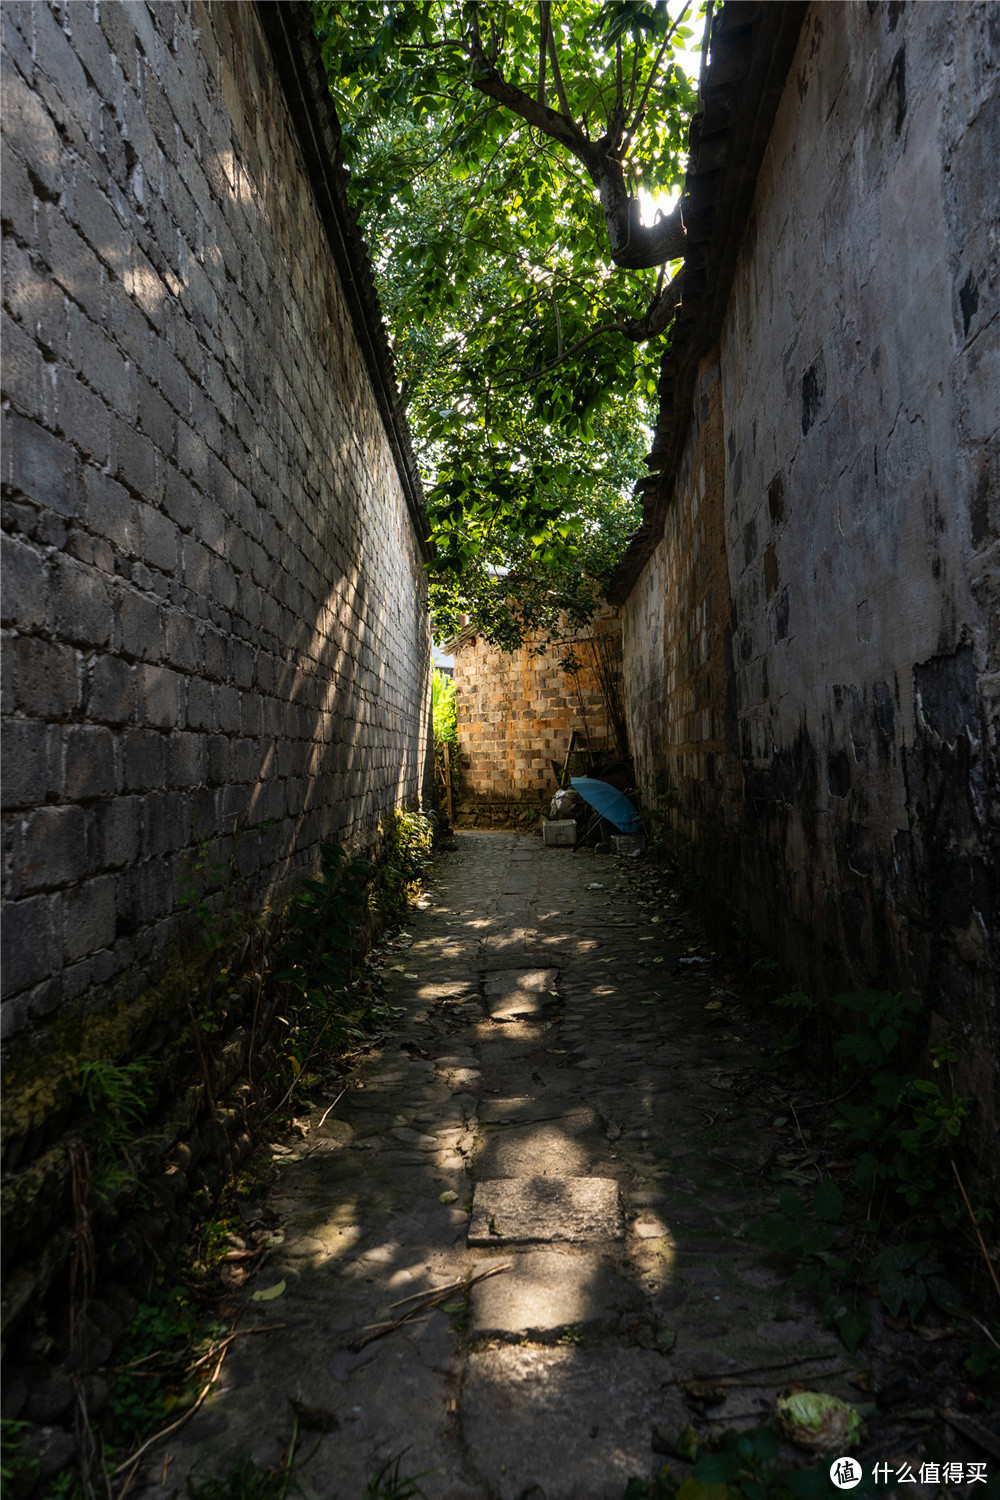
[212, 573]
[517, 712]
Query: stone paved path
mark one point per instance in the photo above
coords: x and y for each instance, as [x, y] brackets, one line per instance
[557, 1100]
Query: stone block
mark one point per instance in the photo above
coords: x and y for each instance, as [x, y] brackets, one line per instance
[17, 207]
[25, 763]
[24, 585]
[75, 266]
[142, 895]
[81, 605]
[136, 462]
[104, 367]
[140, 627]
[519, 992]
[42, 467]
[110, 692]
[25, 382]
[160, 692]
[559, 833]
[88, 762]
[144, 760]
[29, 131]
[118, 828]
[531, 1210]
[547, 1292]
[88, 917]
[53, 847]
[26, 941]
[44, 677]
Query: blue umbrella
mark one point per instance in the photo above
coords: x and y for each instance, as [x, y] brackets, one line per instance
[609, 802]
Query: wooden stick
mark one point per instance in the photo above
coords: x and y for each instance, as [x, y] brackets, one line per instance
[332, 1106]
[381, 1329]
[447, 783]
[130, 1463]
[974, 1431]
[781, 1364]
[982, 1246]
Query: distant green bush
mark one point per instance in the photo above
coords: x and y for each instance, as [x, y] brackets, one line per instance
[445, 710]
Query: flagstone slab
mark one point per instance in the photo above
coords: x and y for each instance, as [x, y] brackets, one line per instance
[540, 1210]
[546, 1292]
[519, 992]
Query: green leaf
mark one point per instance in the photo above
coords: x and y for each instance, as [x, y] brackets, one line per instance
[828, 1202]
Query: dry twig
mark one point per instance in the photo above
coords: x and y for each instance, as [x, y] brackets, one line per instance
[381, 1329]
[982, 1245]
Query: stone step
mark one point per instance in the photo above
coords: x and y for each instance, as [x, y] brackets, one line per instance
[540, 1210]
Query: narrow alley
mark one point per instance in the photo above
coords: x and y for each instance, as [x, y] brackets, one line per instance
[562, 1070]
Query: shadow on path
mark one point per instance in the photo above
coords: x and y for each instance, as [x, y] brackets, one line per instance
[559, 1101]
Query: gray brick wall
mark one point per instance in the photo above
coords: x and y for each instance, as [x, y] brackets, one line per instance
[213, 600]
[852, 810]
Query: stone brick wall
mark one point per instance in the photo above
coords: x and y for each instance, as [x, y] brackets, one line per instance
[858, 512]
[517, 711]
[678, 641]
[213, 599]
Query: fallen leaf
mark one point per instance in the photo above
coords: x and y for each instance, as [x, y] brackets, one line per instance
[448, 1197]
[270, 1294]
[702, 1393]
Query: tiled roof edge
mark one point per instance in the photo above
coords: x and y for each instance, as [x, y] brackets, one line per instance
[752, 45]
[287, 26]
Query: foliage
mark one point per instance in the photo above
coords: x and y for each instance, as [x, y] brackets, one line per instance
[154, 1376]
[408, 838]
[445, 710]
[527, 405]
[904, 1135]
[18, 1465]
[739, 1464]
[315, 958]
[117, 1098]
[244, 1481]
[390, 1484]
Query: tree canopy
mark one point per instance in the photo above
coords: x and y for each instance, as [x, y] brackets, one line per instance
[497, 155]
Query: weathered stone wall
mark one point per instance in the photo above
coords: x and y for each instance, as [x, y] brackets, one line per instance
[213, 598]
[678, 642]
[859, 372]
[517, 712]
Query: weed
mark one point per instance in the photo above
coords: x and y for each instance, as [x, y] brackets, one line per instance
[572, 1337]
[904, 1134]
[18, 1466]
[739, 1464]
[117, 1098]
[389, 1484]
[408, 839]
[315, 958]
[243, 1482]
[154, 1376]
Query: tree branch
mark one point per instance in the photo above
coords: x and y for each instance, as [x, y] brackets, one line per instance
[544, 24]
[486, 77]
[634, 246]
[557, 76]
[638, 116]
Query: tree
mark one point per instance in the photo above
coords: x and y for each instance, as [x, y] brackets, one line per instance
[511, 261]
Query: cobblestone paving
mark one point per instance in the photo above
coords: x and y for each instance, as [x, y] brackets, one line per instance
[557, 1101]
